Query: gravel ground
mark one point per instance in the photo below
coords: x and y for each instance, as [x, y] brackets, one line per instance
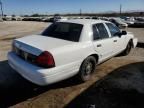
[19, 28]
[16, 92]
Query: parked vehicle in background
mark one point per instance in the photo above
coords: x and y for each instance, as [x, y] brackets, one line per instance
[104, 18]
[68, 48]
[118, 22]
[129, 20]
[17, 18]
[7, 18]
[63, 19]
[46, 19]
[55, 18]
[52, 20]
[94, 17]
[140, 19]
[88, 18]
[139, 22]
[32, 19]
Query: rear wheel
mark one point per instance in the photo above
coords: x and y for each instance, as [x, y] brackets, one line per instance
[128, 49]
[87, 68]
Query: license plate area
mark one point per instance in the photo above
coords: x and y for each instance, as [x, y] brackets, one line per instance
[25, 55]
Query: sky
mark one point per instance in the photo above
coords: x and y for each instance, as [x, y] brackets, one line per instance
[22, 7]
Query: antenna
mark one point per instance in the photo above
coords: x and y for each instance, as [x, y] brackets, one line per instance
[1, 5]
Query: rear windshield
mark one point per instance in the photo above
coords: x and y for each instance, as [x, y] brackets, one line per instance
[65, 31]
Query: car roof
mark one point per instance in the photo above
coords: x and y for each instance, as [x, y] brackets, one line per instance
[84, 21]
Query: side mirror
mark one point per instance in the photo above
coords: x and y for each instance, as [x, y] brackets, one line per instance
[123, 33]
[119, 34]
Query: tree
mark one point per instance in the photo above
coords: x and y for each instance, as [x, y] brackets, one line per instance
[35, 15]
[13, 15]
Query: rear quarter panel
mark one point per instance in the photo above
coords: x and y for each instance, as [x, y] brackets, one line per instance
[75, 53]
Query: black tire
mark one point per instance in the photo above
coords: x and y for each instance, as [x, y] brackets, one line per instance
[128, 49]
[87, 68]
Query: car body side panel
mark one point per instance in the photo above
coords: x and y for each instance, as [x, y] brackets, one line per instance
[71, 53]
[106, 49]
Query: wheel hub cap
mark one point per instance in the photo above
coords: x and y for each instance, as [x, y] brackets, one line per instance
[89, 68]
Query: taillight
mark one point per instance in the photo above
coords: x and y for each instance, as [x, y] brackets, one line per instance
[45, 59]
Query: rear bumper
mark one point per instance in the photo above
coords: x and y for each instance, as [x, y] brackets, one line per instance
[135, 41]
[41, 76]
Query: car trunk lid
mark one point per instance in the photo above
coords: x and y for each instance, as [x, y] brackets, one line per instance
[36, 44]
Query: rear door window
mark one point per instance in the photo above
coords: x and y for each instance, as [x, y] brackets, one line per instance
[96, 35]
[101, 31]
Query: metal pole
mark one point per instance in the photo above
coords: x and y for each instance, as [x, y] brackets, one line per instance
[80, 12]
[1, 8]
[120, 9]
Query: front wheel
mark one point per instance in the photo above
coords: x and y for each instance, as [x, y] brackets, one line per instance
[87, 68]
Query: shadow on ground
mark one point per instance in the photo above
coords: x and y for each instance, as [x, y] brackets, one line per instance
[122, 88]
[15, 89]
[137, 25]
[140, 45]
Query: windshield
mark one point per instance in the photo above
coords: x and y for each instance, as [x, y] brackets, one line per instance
[65, 31]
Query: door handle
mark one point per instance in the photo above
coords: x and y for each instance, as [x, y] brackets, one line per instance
[99, 45]
[115, 41]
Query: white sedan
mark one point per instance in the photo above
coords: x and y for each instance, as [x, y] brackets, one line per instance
[68, 48]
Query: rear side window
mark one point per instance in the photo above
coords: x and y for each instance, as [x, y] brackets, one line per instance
[100, 31]
[65, 31]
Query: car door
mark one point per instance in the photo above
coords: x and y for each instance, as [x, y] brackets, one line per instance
[102, 42]
[117, 38]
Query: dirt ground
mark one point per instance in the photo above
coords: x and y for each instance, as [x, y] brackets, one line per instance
[122, 88]
[138, 32]
[14, 29]
[117, 83]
